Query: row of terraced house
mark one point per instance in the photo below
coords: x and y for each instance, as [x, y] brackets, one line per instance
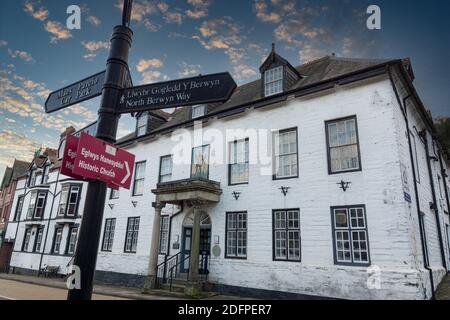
[324, 180]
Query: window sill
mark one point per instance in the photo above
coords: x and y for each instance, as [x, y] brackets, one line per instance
[235, 258]
[287, 260]
[284, 178]
[352, 264]
[238, 184]
[343, 172]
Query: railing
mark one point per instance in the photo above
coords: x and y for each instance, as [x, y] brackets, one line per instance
[162, 270]
[202, 272]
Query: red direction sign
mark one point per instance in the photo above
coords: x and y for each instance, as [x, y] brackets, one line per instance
[70, 153]
[96, 159]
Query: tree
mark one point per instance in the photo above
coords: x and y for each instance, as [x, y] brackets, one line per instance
[443, 131]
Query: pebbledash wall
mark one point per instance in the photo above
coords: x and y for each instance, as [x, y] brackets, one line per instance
[392, 225]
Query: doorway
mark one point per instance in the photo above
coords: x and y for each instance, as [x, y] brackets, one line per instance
[186, 241]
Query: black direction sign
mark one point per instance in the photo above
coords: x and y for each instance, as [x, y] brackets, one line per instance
[75, 93]
[184, 92]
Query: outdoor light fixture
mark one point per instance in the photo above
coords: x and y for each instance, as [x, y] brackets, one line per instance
[344, 185]
[134, 203]
[236, 194]
[111, 206]
[285, 190]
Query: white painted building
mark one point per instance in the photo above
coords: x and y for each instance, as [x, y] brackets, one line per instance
[323, 180]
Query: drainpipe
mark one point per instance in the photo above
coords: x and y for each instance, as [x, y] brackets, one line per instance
[433, 194]
[170, 226]
[48, 224]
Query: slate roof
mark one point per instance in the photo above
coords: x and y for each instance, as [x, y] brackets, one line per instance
[18, 169]
[314, 72]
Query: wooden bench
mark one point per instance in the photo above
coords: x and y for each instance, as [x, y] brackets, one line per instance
[50, 271]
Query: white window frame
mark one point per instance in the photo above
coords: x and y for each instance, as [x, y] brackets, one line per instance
[164, 235]
[26, 240]
[115, 194]
[165, 171]
[58, 240]
[198, 111]
[273, 81]
[65, 201]
[239, 162]
[141, 127]
[72, 240]
[38, 241]
[285, 158]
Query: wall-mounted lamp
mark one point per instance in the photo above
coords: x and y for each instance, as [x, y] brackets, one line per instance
[236, 194]
[134, 203]
[344, 185]
[285, 190]
[111, 205]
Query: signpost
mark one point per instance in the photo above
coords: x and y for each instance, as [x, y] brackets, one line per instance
[80, 91]
[185, 92]
[97, 159]
[69, 155]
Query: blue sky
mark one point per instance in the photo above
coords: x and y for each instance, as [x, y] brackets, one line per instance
[174, 39]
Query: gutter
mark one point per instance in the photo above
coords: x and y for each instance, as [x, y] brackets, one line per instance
[433, 194]
[444, 175]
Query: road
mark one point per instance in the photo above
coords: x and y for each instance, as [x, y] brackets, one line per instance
[14, 290]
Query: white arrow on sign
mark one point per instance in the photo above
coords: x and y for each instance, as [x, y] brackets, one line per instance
[128, 173]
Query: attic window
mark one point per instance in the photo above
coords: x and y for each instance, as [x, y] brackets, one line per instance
[198, 111]
[273, 81]
[142, 124]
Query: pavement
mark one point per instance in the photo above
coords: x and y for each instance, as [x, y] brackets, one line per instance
[21, 287]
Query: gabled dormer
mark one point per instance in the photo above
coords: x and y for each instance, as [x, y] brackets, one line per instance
[277, 75]
[148, 121]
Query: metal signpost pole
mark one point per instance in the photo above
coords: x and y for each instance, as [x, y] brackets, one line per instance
[89, 236]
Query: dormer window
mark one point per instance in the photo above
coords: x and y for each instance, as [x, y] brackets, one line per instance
[198, 111]
[273, 81]
[142, 124]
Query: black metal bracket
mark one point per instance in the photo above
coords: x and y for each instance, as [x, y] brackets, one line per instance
[236, 194]
[344, 185]
[285, 190]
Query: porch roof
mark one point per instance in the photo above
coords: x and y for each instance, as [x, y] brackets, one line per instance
[193, 189]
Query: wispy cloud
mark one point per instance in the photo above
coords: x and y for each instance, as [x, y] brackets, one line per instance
[189, 70]
[3, 43]
[92, 48]
[262, 13]
[144, 64]
[58, 31]
[37, 13]
[93, 20]
[25, 56]
[199, 10]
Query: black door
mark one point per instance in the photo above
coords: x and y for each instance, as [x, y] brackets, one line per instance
[204, 246]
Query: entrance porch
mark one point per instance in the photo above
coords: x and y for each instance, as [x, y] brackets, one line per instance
[194, 195]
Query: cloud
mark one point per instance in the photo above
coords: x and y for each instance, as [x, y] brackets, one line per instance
[189, 70]
[173, 17]
[153, 76]
[200, 9]
[263, 15]
[16, 146]
[221, 33]
[94, 21]
[150, 63]
[92, 48]
[58, 31]
[40, 14]
[25, 56]
[3, 43]
[10, 120]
